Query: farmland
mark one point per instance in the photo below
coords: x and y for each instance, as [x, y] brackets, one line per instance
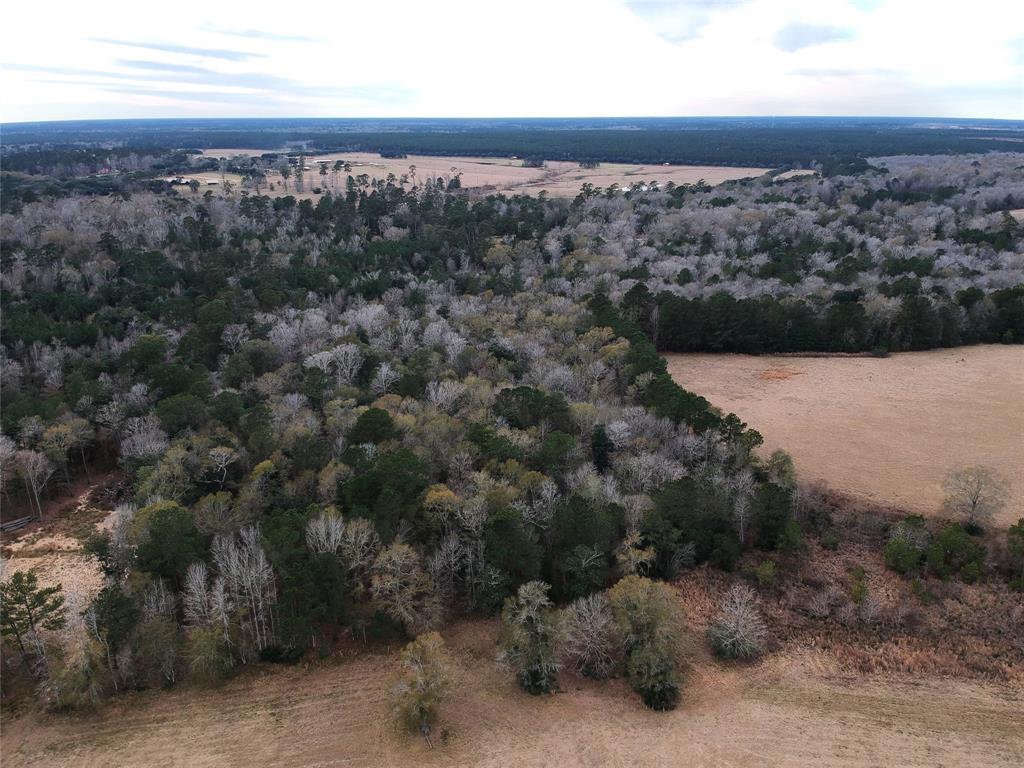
[885, 429]
[494, 174]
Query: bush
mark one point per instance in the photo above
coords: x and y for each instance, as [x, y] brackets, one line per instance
[830, 541]
[953, 552]
[908, 541]
[902, 557]
[652, 673]
[766, 574]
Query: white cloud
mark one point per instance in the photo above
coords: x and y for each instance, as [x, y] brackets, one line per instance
[112, 58]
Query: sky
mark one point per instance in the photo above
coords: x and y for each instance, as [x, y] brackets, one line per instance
[527, 58]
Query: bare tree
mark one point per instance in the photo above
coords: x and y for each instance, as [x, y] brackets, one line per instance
[249, 581]
[359, 547]
[235, 335]
[444, 395]
[975, 493]
[36, 470]
[221, 458]
[588, 638]
[325, 532]
[384, 378]
[738, 632]
[403, 588]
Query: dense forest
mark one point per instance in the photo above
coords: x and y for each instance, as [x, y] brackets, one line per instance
[398, 404]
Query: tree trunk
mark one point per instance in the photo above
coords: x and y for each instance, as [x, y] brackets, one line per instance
[85, 466]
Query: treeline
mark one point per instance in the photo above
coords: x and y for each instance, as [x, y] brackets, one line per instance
[723, 323]
[837, 143]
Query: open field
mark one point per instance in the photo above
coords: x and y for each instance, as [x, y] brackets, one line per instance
[560, 179]
[789, 711]
[885, 429]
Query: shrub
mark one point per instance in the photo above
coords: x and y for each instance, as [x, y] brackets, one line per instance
[738, 631]
[908, 541]
[830, 541]
[953, 551]
[766, 574]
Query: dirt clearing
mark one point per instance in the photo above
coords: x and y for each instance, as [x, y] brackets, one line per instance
[887, 429]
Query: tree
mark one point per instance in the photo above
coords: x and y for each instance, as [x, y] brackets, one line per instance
[648, 624]
[738, 632]
[1015, 543]
[170, 541]
[325, 532]
[209, 658]
[26, 608]
[588, 636]
[374, 425]
[974, 493]
[645, 612]
[425, 683]
[955, 551]
[652, 673]
[36, 470]
[115, 614]
[601, 447]
[403, 589]
[529, 638]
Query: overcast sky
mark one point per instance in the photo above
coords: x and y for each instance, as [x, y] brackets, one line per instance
[521, 58]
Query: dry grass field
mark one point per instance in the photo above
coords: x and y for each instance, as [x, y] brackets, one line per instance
[558, 179]
[884, 429]
[789, 711]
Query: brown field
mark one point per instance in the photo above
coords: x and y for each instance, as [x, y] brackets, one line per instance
[885, 429]
[558, 179]
[788, 711]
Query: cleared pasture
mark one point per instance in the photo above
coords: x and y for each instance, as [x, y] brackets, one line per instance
[557, 178]
[887, 429]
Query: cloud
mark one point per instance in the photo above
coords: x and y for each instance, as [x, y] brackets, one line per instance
[209, 53]
[162, 66]
[679, 20]
[795, 36]
[258, 34]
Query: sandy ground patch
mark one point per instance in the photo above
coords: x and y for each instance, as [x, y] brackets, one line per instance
[782, 713]
[886, 429]
[1018, 214]
[557, 178]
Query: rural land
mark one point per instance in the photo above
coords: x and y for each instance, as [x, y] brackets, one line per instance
[512, 442]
